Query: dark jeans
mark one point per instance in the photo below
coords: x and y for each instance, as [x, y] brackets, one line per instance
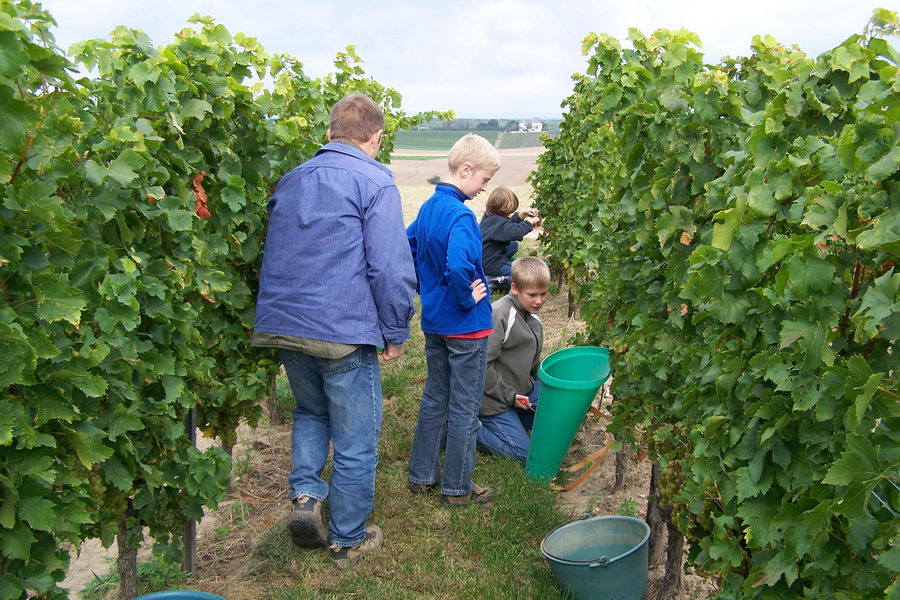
[448, 413]
[506, 433]
[338, 400]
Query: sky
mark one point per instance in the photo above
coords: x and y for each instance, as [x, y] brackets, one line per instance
[506, 58]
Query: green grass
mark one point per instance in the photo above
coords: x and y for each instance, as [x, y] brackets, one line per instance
[434, 139]
[432, 157]
[489, 551]
[154, 575]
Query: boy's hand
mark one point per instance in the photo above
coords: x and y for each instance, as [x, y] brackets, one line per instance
[535, 221]
[528, 212]
[391, 352]
[479, 290]
[522, 402]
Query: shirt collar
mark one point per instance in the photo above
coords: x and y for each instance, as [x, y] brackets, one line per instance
[345, 146]
[348, 142]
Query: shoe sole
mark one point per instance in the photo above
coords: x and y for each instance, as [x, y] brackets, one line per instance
[306, 533]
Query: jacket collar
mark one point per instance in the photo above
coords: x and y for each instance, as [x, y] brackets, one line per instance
[520, 308]
[347, 147]
[450, 190]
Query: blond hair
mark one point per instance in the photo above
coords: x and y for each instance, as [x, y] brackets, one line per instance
[476, 151]
[502, 201]
[530, 271]
[356, 117]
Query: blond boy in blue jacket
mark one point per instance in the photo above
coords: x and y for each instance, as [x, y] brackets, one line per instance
[456, 318]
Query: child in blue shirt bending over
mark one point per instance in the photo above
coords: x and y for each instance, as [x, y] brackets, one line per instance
[456, 319]
[502, 228]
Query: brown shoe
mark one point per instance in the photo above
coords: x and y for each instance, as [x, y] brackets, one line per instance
[345, 557]
[417, 489]
[478, 495]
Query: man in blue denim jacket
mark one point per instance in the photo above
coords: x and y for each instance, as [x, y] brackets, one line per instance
[337, 281]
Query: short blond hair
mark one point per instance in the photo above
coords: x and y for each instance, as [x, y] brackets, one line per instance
[475, 150]
[356, 117]
[530, 271]
[502, 201]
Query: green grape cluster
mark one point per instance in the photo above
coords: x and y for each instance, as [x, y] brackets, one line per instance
[700, 525]
[168, 519]
[671, 479]
[115, 501]
[95, 483]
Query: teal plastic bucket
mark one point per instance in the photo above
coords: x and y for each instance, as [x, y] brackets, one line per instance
[570, 379]
[180, 595]
[600, 557]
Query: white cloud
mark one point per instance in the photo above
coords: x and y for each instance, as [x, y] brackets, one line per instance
[508, 58]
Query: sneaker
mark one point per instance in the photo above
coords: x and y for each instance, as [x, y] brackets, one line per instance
[417, 489]
[306, 525]
[345, 557]
[478, 495]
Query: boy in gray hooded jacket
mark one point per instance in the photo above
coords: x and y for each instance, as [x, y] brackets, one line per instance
[514, 354]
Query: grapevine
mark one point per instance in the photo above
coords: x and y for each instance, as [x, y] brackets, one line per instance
[132, 216]
[732, 233]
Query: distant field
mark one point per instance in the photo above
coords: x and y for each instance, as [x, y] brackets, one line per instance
[411, 157]
[518, 140]
[434, 139]
[443, 139]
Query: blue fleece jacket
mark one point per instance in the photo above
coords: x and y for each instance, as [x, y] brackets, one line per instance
[446, 245]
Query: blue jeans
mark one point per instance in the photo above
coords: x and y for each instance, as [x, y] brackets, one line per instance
[448, 413]
[338, 400]
[506, 433]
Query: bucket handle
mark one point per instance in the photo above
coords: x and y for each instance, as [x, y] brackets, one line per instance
[603, 561]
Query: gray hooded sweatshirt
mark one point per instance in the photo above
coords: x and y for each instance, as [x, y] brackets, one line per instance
[514, 354]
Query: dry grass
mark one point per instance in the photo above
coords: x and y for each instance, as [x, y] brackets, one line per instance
[256, 503]
[413, 196]
[559, 328]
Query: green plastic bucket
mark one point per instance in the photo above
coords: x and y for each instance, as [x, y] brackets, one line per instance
[600, 557]
[570, 379]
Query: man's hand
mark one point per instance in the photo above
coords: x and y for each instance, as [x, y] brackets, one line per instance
[391, 352]
[522, 402]
[479, 291]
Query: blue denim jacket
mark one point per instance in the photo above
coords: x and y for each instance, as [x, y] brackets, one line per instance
[336, 265]
[446, 246]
